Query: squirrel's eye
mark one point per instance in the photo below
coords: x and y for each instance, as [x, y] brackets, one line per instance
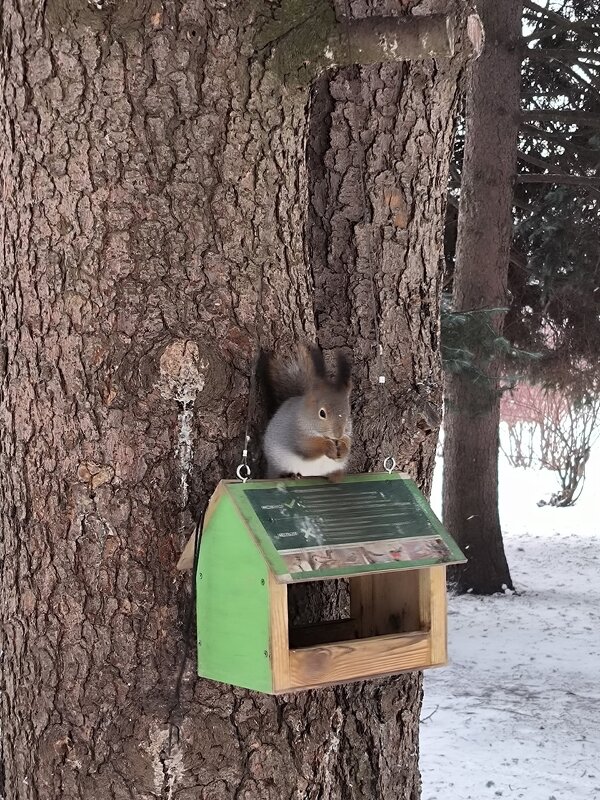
[323, 414]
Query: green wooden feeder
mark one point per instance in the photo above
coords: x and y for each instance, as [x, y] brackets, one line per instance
[261, 536]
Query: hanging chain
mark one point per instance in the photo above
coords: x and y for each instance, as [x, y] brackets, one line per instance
[243, 470]
[389, 462]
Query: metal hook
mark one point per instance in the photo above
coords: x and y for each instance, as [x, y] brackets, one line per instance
[243, 472]
[389, 464]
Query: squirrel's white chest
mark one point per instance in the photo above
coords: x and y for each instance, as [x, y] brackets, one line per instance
[284, 462]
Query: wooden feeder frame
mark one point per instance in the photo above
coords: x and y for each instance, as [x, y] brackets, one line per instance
[361, 647]
[397, 613]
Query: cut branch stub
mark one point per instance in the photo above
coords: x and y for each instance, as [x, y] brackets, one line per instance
[378, 39]
[319, 42]
[475, 34]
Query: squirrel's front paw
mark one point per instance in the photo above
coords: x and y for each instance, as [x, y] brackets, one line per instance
[336, 477]
[331, 449]
[343, 447]
[337, 449]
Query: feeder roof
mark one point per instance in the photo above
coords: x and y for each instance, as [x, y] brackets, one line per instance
[310, 529]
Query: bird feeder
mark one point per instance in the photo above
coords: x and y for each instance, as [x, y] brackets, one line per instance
[261, 537]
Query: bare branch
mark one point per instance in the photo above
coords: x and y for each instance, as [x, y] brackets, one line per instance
[576, 77]
[559, 54]
[574, 25]
[528, 158]
[535, 161]
[562, 22]
[559, 115]
[557, 19]
[559, 178]
[592, 157]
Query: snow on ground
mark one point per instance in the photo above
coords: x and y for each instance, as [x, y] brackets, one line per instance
[517, 712]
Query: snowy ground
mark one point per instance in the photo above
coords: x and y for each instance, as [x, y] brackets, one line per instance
[517, 713]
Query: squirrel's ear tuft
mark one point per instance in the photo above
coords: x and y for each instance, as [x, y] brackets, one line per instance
[268, 381]
[318, 361]
[344, 372]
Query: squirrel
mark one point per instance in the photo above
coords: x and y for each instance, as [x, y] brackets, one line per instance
[310, 432]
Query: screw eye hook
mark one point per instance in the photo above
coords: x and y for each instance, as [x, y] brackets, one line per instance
[243, 472]
[389, 464]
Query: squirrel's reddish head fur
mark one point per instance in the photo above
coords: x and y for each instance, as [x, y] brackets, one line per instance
[303, 374]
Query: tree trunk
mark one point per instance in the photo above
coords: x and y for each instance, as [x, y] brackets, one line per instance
[153, 167]
[482, 255]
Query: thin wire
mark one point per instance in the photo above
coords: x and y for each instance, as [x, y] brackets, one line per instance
[243, 471]
[381, 378]
[188, 625]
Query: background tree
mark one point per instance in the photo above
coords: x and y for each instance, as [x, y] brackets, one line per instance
[154, 168]
[551, 268]
[479, 285]
[554, 281]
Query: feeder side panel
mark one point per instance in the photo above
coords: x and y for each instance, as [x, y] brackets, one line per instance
[232, 604]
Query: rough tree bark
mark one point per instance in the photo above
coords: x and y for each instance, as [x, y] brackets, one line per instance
[471, 422]
[152, 164]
